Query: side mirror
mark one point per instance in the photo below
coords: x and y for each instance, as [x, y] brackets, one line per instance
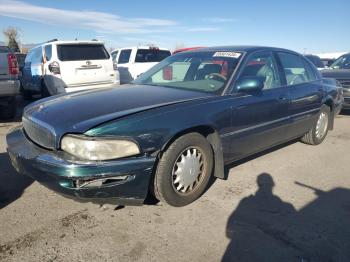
[250, 83]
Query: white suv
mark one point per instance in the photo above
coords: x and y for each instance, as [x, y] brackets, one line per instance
[133, 61]
[66, 66]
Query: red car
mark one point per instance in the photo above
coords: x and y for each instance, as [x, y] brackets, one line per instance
[186, 49]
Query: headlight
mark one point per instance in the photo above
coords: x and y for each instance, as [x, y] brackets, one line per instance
[93, 148]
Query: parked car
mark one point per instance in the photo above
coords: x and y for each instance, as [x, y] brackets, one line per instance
[9, 83]
[316, 60]
[66, 66]
[327, 61]
[133, 61]
[168, 136]
[340, 70]
[186, 49]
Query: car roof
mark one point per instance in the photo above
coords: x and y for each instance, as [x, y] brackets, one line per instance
[78, 42]
[60, 42]
[141, 47]
[311, 55]
[241, 48]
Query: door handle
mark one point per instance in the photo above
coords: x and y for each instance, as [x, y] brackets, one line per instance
[283, 98]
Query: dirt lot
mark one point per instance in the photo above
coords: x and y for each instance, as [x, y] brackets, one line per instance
[259, 214]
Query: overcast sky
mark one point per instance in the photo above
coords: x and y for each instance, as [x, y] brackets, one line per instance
[303, 25]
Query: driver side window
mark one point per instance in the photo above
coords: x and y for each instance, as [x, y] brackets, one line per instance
[262, 65]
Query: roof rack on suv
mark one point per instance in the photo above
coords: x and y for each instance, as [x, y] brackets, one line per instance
[52, 40]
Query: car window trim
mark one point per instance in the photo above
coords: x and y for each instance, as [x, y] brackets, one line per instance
[230, 83]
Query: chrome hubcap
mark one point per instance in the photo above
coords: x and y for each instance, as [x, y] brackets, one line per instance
[322, 125]
[188, 170]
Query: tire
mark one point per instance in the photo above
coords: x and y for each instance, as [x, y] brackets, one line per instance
[44, 90]
[313, 137]
[198, 157]
[9, 111]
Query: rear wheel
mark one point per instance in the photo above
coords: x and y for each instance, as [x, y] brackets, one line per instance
[184, 170]
[319, 130]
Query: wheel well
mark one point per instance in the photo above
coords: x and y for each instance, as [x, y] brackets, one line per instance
[330, 104]
[203, 130]
[213, 138]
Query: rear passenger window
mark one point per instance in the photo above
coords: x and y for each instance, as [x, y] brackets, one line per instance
[48, 52]
[37, 56]
[124, 56]
[294, 69]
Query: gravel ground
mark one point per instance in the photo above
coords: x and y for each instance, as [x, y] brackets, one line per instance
[259, 214]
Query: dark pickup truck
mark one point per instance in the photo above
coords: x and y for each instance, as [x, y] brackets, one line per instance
[340, 70]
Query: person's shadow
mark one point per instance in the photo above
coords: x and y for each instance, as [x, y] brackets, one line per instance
[264, 228]
[251, 225]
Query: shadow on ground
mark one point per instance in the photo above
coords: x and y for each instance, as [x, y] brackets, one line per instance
[345, 112]
[264, 228]
[12, 184]
[21, 104]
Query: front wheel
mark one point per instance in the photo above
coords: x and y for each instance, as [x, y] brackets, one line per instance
[319, 130]
[184, 170]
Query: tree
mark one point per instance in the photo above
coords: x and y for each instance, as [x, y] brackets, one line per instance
[12, 35]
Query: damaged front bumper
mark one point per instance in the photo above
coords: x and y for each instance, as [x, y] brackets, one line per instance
[123, 182]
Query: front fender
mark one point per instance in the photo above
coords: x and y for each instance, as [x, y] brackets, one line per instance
[153, 129]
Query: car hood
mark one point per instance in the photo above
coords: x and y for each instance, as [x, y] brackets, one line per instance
[80, 111]
[336, 73]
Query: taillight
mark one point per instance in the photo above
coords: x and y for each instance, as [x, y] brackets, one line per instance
[13, 65]
[54, 68]
[115, 66]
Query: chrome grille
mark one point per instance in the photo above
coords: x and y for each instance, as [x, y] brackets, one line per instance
[39, 132]
[345, 83]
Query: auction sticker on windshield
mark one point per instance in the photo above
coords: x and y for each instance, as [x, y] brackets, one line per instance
[227, 54]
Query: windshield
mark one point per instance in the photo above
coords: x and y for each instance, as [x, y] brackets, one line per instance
[342, 62]
[198, 71]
